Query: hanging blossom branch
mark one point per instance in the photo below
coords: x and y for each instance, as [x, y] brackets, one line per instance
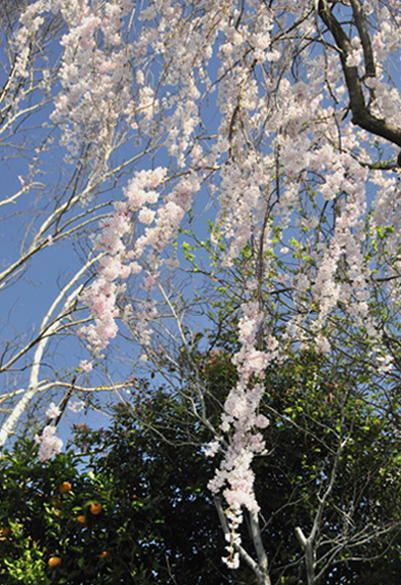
[259, 568]
[118, 262]
[240, 421]
[94, 78]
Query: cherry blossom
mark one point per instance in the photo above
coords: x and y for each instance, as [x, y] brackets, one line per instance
[50, 445]
[280, 131]
[53, 411]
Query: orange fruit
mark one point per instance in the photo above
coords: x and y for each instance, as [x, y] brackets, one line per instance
[96, 509]
[65, 487]
[54, 562]
[103, 554]
[81, 519]
[5, 531]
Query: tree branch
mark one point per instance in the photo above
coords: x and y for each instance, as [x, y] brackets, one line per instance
[260, 572]
[361, 115]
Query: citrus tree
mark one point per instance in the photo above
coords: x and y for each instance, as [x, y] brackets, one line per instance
[114, 508]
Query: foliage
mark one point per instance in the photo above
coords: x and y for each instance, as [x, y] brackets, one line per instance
[158, 523]
[332, 459]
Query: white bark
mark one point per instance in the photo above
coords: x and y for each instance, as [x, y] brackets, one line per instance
[47, 329]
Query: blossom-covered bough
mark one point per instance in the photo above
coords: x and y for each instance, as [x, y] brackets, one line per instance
[277, 124]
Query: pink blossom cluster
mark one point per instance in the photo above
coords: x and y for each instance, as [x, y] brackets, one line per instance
[86, 366]
[242, 201]
[94, 78]
[101, 298]
[345, 247]
[240, 421]
[168, 217]
[184, 46]
[53, 411]
[50, 445]
[118, 263]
